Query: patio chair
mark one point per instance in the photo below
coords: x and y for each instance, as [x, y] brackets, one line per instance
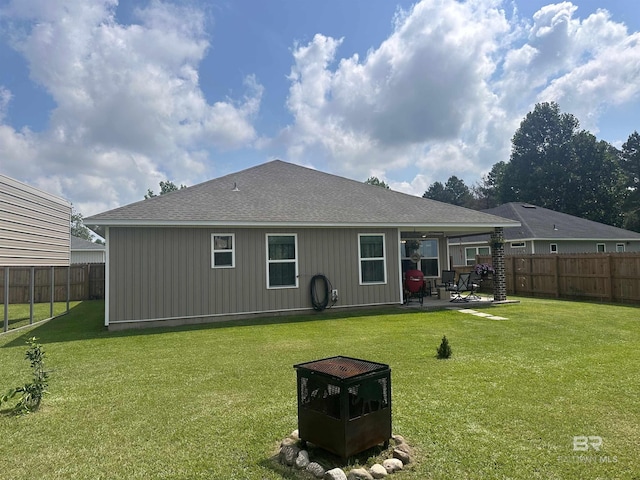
[448, 279]
[460, 287]
[474, 284]
[467, 282]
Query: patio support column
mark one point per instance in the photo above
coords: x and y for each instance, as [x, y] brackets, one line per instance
[497, 260]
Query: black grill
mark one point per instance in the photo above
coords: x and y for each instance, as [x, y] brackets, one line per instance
[344, 404]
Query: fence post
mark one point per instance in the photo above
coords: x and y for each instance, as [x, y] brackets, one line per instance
[87, 286]
[512, 261]
[6, 299]
[609, 279]
[68, 286]
[53, 291]
[556, 264]
[32, 298]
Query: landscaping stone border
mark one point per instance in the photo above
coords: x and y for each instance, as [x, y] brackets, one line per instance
[293, 455]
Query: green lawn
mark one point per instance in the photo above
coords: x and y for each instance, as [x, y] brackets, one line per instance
[20, 315]
[214, 401]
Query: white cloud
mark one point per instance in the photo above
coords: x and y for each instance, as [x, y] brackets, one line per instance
[129, 107]
[408, 101]
[445, 92]
[442, 95]
[5, 98]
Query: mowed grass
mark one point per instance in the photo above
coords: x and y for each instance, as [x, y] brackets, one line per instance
[20, 315]
[214, 401]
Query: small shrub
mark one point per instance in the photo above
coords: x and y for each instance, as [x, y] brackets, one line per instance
[444, 350]
[31, 393]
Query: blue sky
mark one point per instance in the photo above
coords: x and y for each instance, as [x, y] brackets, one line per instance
[101, 100]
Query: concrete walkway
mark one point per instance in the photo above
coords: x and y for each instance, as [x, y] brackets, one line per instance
[435, 303]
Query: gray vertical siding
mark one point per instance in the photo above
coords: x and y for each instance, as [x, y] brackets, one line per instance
[87, 256]
[165, 273]
[34, 226]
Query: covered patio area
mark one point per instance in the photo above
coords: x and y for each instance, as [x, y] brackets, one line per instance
[427, 252]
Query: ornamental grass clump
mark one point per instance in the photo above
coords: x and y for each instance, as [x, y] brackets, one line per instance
[30, 393]
[444, 350]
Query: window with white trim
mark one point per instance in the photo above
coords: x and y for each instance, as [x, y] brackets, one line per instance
[471, 252]
[371, 258]
[620, 247]
[427, 259]
[553, 248]
[517, 244]
[282, 260]
[223, 252]
[601, 247]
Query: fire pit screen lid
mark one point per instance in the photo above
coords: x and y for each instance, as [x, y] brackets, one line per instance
[342, 367]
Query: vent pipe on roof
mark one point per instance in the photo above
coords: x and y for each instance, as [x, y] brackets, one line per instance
[235, 187]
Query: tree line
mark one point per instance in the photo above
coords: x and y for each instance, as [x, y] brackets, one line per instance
[556, 165]
[553, 164]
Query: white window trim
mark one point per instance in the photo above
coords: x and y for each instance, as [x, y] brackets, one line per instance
[551, 249]
[437, 258]
[214, 251]
[266, 241]
[618, 245]
[377, 259]
[518, 244]
[476, 254]
[604, 247]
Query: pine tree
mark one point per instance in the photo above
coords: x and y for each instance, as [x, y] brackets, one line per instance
[444, 350]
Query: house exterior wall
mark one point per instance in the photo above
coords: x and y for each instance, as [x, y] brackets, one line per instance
[87, 256]
[34, 226]
[584, 246]
[457, 250]
[163, 276]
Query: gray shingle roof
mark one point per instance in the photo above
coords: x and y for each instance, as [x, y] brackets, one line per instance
[538, 223]
[82, 244]
[281, 193]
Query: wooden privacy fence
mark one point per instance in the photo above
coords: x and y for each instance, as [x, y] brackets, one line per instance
[608, 277]
[85, 282]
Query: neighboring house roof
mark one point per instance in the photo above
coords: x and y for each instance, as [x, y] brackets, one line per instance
[278, 193]
[538, 223]
[80, 244]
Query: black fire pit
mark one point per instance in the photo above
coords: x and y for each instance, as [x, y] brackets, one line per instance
[344, 404]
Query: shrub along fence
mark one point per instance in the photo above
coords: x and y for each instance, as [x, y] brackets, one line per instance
[84, 281]
[608, 277]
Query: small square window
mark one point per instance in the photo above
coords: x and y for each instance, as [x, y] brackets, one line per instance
[223, 253]
[553, 248]
[601, 248]
[620, 247]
